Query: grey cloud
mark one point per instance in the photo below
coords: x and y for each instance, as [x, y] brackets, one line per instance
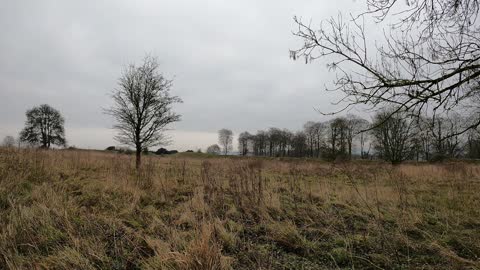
[229, 60]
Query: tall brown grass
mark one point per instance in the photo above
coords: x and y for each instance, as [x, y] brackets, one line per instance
[93, 210]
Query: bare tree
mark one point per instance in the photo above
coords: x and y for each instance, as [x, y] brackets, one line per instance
[338, 137]
[260, 141]
[213, 149]
[427, 63]
[314, 132]
[440, 137]
[473, 144]
[244, 140]
[310, 136]
[364, 137]
[424, 138]
[393, 136]
[299, 144]
[8, 141]
[143, 107]
[225, 138]
[353, 128]
[44, 127]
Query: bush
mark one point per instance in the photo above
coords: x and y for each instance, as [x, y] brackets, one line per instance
[125, 150]
[163, 151]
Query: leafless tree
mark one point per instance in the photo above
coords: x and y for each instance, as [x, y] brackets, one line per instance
[428, 61]
[393, 136]
[260, 143]
[213, 149]
[473, 144]
[299, 144]
[423, 138]
[8, 141]
[225, 138]
[44, 127]
[143, 107]
[354, 127]
[310, 136]
[364, 137]
[440, 137]
[314, 132]
[244, 140]
[445, 131]
[337, 137]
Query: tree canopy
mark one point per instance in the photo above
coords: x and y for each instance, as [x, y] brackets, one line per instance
[44, 127]
[143, 107]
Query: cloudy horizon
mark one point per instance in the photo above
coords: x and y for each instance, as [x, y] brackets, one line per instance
[229, 61]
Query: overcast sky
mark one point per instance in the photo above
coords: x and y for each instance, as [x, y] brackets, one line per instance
[229, 60]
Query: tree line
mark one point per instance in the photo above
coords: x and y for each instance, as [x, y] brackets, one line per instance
[392, 137]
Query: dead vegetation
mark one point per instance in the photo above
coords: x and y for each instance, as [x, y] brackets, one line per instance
[91, 210]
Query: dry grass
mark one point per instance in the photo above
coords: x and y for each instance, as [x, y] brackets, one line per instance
[91, 210]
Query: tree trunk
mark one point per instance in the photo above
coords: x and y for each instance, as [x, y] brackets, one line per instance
[138, 160]
[350, 150]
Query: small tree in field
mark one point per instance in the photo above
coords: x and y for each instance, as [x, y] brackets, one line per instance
[143, 107]
[213, 149]
[44, 127]
[225, 138]
[8, 141]
[393, 136]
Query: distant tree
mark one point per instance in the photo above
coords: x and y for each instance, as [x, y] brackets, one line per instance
[143, 107]
[199, 150]
[423, 138]
[314, 132]
[260, 143]
[438, 137]
[243, 143]
[213, 149]
[8, 141]
[393, 136]
[110, 148]
[364, 138]
[225, 138]
[338, 137]
[189, 151]
[473, 144]
[125, 150]
[286, 142]
[310, 136]
[274, 137]
[354, 126]
[299, 144]
[446, 131]
[44, 127]
[162, 151]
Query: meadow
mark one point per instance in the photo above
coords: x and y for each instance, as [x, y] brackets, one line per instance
[74, 209]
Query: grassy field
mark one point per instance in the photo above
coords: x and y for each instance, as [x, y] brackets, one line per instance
[91, 210]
